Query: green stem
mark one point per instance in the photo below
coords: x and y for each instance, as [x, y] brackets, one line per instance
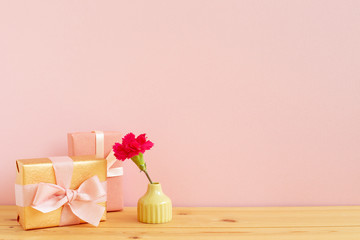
[147, 175]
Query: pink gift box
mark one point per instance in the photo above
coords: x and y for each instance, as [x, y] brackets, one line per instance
[84, 143]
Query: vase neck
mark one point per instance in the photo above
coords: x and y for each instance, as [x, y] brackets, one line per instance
[154, 188]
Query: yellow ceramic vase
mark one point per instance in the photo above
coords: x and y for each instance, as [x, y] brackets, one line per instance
[154, 206]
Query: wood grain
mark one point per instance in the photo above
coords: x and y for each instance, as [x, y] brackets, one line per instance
[207, 223]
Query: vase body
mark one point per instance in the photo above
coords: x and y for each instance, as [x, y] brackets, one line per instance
[154, 206]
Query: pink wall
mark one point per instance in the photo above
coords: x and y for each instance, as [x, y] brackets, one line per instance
[249, 103]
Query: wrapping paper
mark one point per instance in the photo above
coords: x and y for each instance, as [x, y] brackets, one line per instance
[34, 171]
[84, 143]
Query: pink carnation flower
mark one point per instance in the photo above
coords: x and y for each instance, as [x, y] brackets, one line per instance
[131, 146]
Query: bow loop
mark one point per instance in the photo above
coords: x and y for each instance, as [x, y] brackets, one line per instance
[49, 197]
[91, 189]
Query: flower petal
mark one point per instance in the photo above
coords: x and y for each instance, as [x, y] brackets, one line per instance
[141, 138]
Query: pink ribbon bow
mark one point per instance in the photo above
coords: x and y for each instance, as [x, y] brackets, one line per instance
[78, 204]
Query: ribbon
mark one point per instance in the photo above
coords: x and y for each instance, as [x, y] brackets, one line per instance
[77, 204]
[111, 159]
[99, 144]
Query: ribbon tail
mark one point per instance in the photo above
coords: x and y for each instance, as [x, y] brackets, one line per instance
[68, 217]
[111, 159]
[90, 212]
[115, 172]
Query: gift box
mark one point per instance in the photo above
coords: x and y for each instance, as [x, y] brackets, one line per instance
[100, 143]
[59, 191]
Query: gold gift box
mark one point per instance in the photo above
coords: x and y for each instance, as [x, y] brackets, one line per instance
[33, 171]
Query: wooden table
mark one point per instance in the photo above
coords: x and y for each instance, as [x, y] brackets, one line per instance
[278, 223]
